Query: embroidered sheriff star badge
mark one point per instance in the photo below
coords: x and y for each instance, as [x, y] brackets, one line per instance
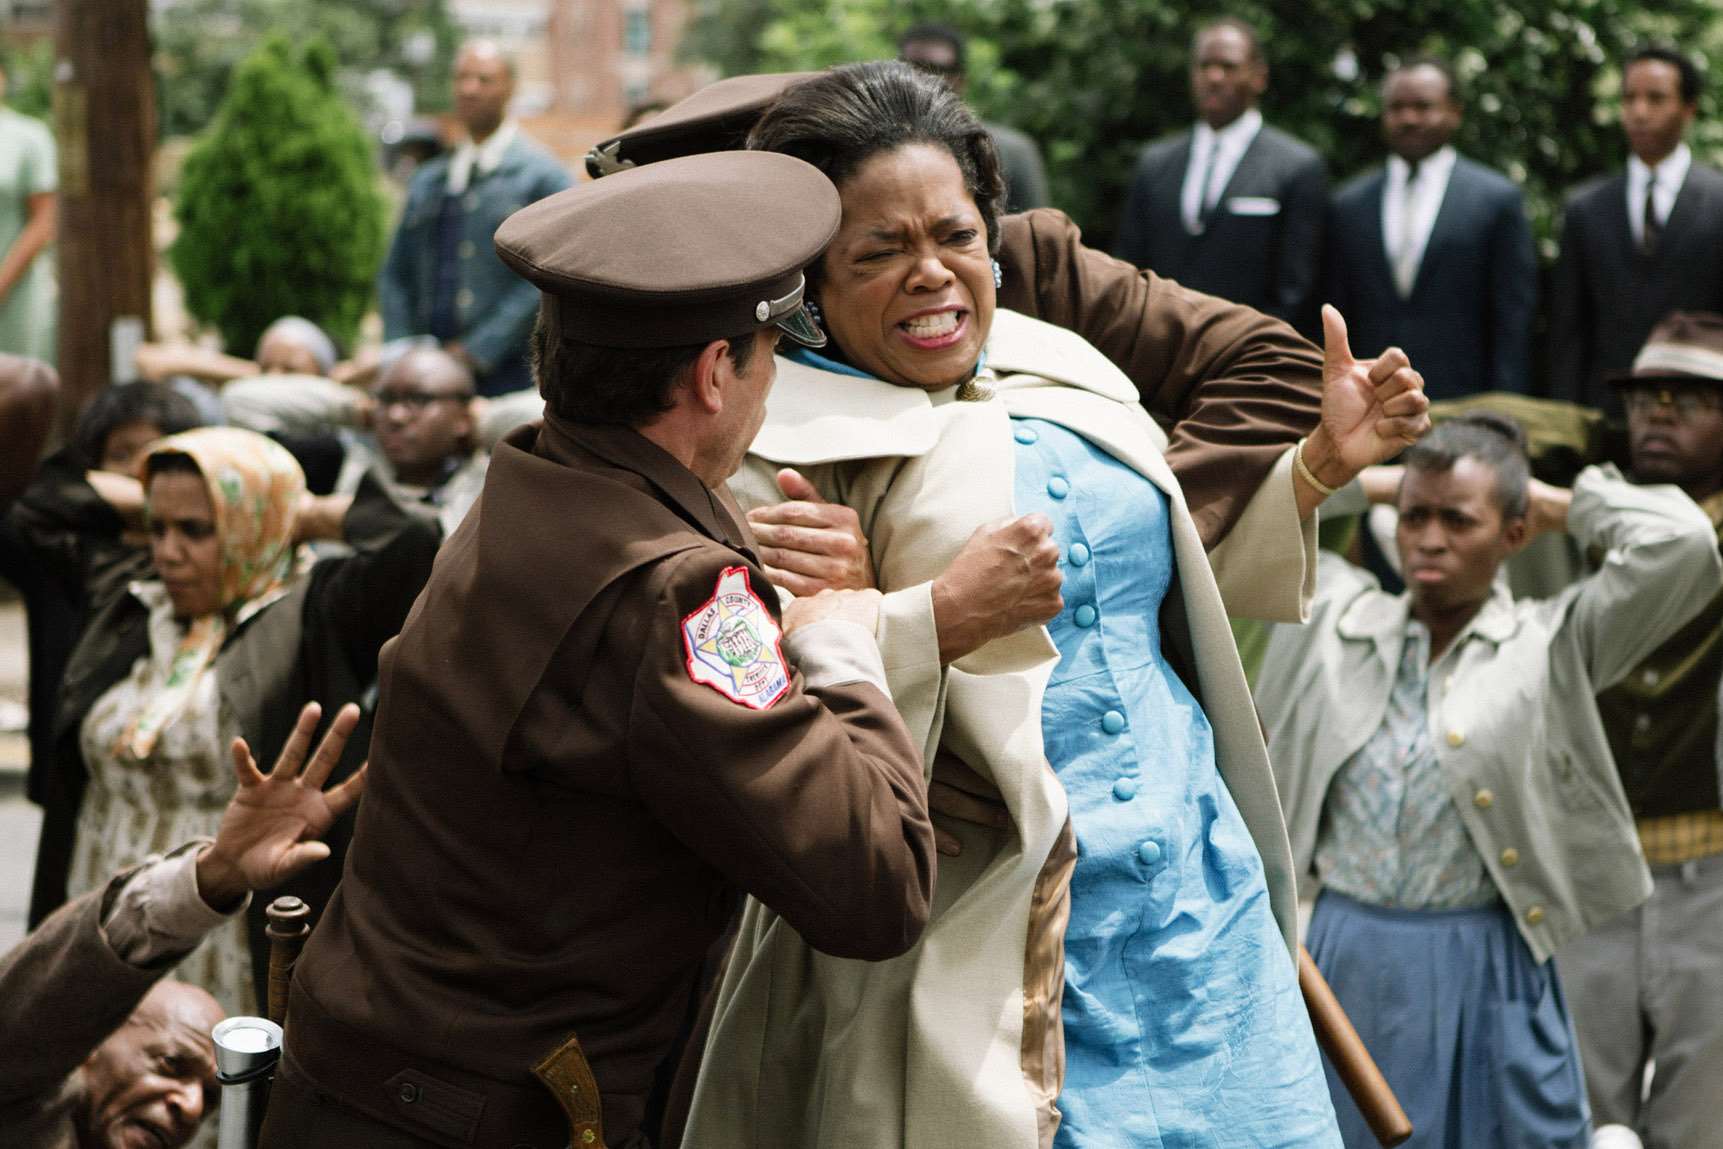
[732, 644]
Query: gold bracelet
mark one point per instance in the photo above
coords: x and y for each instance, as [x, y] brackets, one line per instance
[1303, 468]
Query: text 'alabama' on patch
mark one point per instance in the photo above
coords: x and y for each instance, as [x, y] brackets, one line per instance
[733, 644]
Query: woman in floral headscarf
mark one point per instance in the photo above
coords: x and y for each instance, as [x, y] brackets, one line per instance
[235, 630]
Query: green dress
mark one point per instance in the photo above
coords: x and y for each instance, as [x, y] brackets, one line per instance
[26, 168]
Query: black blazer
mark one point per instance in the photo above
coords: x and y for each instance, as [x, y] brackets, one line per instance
[1268, 261]
[1607, 296]
[1468, 323]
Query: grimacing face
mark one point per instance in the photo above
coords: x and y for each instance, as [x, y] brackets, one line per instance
[1452, 535]
[184, 546]
[907, 284]
[149, 1085]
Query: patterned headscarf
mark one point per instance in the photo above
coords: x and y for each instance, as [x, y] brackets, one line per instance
[254, 490]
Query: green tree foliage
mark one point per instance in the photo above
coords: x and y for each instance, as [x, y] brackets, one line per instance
[30, 78]
[278, 206]
[1094, 80]
[199, 43]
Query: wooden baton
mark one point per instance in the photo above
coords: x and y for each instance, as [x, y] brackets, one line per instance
[1345, 1049]
[289, 926]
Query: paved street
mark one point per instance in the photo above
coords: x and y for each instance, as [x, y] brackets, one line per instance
[19, 820]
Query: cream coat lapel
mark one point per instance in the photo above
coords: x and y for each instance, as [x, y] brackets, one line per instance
[810, 1051]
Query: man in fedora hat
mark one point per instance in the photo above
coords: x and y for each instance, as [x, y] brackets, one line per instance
[1648, 986]
[599, 728]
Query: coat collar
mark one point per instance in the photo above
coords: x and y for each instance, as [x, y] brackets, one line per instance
[624, 447]
[815, 416]
[1378, 617]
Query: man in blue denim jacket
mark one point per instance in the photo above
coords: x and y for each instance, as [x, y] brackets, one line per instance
[442, 277]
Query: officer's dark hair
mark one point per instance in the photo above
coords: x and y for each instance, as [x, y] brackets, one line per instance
[936, 34]
[586, 383]
[113, 407]
[1441, 66]
[1241, 26]
[1493, 439]
[1691, 82]
[842, 118]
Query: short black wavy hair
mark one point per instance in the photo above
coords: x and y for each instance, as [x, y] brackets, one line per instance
[840, 119]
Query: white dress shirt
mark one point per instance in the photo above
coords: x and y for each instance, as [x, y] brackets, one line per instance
[1228, 146]
[1409, 207]
[1671, 173]
[483, 157]
[157, 914]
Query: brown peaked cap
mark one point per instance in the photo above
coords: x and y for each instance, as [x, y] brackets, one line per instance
[679, 252]
[716, 118]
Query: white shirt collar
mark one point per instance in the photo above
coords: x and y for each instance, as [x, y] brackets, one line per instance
[1671, 169]
[1437, 166]
[1236, 136]
[483, 157]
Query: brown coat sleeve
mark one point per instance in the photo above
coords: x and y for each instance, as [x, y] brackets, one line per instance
[814, 805]
[1232, 387]
[63, 990]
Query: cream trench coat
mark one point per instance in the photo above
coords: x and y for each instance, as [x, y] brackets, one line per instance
[1517, 732]
[953, 1045]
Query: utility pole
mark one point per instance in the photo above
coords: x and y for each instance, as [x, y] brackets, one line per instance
[105, 121]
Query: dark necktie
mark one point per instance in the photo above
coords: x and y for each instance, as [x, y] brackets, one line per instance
[1204, 208]
[1405, 271]
[1652, 230]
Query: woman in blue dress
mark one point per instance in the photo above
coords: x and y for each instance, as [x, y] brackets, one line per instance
[1183, 1024]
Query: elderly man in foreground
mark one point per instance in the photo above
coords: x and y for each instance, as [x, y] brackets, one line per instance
[98, 1049]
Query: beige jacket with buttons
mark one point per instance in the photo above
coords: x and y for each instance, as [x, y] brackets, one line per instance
[957, 1043]
[1516, 728]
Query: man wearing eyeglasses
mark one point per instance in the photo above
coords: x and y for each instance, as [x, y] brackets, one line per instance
[420, 415]
[1648, 986]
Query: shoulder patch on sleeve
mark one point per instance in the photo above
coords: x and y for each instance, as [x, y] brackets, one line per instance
[732, 642]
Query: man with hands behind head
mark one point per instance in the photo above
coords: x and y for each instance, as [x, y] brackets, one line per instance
[98, 1050]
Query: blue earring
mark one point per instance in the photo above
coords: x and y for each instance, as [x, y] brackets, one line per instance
[998, 276]
[814, 313]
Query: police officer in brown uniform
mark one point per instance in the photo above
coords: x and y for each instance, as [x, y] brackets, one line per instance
[597, 727]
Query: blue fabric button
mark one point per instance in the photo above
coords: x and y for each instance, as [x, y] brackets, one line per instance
[1056, 486]
[1125, 789]
[1150, 853]
[1112, 722]
[1079, 555]
[1026, 435]
[1085, 615]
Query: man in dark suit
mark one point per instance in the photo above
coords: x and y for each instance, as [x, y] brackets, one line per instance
[1432, 252]
[1638, 244]
[1233, 207]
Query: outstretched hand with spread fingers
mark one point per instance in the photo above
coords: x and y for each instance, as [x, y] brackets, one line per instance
[270, 831]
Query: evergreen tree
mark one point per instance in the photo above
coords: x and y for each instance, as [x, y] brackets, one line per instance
[278, 206]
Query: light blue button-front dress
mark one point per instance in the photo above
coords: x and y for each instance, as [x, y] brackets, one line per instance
[1184, 1026]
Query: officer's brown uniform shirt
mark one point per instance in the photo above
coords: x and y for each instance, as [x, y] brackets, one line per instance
[559, 818]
